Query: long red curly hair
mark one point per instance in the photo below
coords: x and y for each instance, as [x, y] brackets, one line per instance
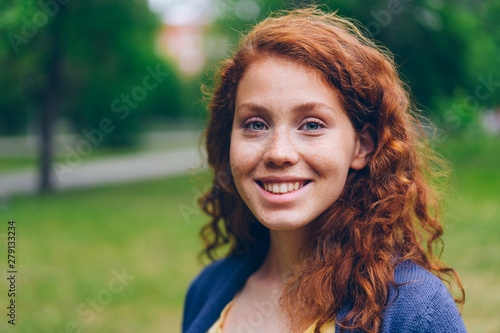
[387, 212]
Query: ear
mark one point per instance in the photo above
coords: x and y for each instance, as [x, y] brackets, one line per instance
[364, 148]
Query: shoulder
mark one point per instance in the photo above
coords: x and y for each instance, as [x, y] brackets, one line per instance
[216, 285]
[212, 275]
[212, 278]
[421, 303]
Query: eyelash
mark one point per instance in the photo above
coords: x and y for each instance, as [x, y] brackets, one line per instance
[248, 123]
[315, 121]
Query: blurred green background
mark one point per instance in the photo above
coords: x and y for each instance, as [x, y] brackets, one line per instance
[86, 82]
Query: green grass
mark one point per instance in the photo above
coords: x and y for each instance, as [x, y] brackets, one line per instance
[69, 243]
[16, 163]
[473, 232]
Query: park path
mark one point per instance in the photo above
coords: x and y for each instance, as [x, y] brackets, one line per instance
[140, 166]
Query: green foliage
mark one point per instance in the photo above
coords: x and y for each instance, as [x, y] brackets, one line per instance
[483, 51]
[443, 47]
[105, 51]
[446, 50]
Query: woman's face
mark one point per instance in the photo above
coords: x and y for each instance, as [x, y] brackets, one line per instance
[292, 143]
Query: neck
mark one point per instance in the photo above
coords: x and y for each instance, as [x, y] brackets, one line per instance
[283, 249]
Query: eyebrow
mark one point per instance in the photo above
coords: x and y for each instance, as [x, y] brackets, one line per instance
[302, 107]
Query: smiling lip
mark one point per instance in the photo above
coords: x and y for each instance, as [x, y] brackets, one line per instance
[282, 198]
[282, 186]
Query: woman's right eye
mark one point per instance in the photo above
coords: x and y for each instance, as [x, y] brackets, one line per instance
[257, 125]
[254, 125]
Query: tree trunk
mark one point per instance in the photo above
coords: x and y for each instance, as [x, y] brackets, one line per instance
[51, 100]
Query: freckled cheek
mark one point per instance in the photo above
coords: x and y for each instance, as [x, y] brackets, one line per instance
[330, 166]
[246, 152]
[323, 159]
[242, 159]
[238, 176]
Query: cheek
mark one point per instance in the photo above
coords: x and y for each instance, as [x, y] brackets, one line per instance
[331, 166]
[326, 159]
[243, 155]
[239, 159]
[332, 154]
[234, 162]
[240, 170]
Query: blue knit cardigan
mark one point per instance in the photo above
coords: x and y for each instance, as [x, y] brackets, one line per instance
[423, 305]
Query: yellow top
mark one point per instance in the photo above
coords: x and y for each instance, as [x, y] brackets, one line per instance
[217, 326]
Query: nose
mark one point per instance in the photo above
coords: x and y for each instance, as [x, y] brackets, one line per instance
[281, 149]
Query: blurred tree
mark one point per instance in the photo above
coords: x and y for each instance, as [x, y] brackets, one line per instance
[442, 46]
[91, 61]
[483, 50]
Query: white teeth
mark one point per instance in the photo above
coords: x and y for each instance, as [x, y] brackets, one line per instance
[282, 188]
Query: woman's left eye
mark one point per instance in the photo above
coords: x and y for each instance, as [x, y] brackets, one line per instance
[312, 126]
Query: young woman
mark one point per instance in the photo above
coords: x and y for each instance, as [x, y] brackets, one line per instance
[321, 191]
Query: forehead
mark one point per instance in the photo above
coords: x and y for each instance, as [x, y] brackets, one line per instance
[279, 82]
[277, 66]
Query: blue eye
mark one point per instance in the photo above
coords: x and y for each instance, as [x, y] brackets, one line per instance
[257, 125]
[254, 124]
[312, 126]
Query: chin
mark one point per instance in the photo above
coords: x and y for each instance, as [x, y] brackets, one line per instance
[283, 224]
